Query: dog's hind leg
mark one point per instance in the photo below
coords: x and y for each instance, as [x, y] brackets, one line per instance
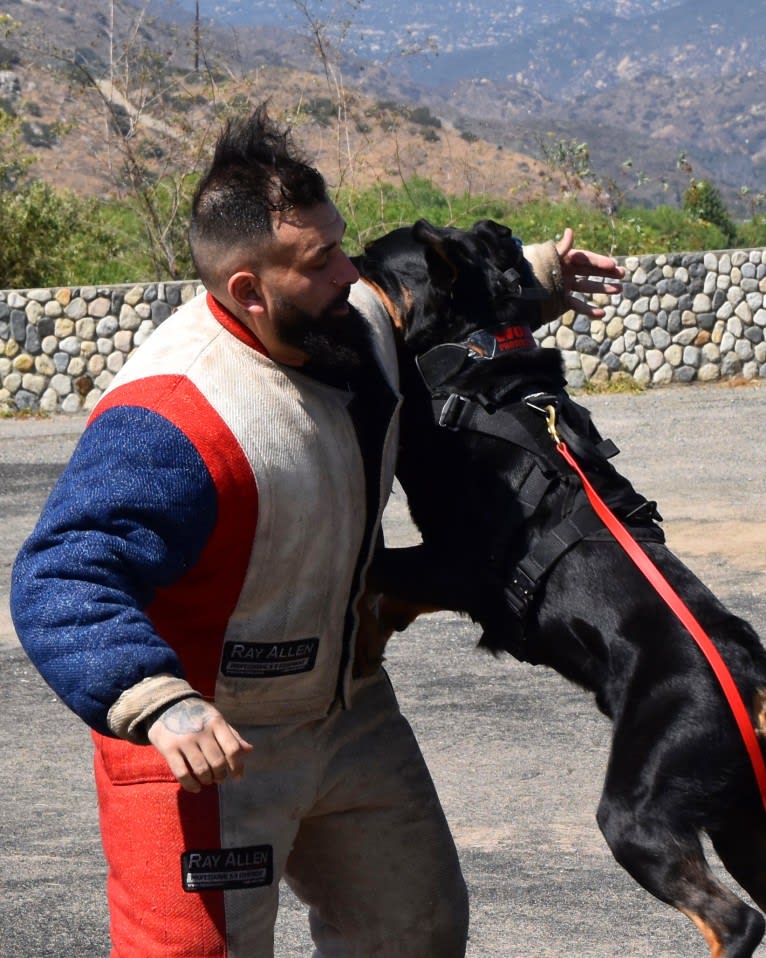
[741, 846]
[670, 863]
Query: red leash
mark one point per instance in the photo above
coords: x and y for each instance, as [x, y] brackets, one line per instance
[676, 604]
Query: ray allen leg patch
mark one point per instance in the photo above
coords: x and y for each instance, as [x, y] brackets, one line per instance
[218, 869]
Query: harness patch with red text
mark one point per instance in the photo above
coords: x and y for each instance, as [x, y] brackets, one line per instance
[486, 345]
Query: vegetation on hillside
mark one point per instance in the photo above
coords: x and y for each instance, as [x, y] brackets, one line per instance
[55, 238]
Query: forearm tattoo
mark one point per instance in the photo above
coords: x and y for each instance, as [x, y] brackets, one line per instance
[188, 715]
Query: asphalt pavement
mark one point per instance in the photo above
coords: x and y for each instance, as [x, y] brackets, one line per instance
[518, 754]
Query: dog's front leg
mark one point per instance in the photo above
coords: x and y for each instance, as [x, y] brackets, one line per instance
[419, 578]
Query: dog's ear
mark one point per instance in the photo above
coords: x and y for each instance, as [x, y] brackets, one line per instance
[492, 232]
[445, 252]
[504, 249]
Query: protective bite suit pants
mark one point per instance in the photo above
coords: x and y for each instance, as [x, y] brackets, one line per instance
[344, 808]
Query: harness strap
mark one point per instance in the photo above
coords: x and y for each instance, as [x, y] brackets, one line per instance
[532, 491]
[442, 362]
[456, 412]
[590, 450]
[682, 612]
[544, 554]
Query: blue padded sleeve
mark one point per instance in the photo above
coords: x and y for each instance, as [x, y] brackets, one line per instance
[130, 514]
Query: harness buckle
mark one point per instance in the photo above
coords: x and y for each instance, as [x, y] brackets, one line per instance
[520, 591]
[551, 422]
[452, 409]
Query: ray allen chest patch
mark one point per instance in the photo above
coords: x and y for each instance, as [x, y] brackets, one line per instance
[267, 660]
[217, 869]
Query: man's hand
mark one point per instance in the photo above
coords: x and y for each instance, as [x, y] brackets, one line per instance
[198, 743]
[578, 267]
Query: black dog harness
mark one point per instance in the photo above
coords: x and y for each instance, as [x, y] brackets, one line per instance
[505, 415]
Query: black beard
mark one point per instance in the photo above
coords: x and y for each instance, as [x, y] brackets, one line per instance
[334, 344]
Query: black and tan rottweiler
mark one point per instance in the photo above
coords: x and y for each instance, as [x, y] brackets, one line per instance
[509, 538]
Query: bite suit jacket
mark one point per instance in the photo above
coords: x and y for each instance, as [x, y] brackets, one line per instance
[212, 531]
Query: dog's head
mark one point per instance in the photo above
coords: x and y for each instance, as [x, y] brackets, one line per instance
[441, 284]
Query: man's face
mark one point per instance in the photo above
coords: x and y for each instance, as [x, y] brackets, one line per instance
[304, 285]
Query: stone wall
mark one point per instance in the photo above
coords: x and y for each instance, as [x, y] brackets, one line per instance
[60, 348]
[681, 317]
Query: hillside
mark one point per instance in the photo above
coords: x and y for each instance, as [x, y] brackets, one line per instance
[642, 82]
[376, 141]
[642, 90]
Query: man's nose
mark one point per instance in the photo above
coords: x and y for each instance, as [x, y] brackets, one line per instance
[347, 272]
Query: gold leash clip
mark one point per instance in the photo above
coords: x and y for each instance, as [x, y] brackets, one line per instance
[551, 420]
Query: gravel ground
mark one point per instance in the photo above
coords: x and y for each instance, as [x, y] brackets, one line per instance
[518, 755]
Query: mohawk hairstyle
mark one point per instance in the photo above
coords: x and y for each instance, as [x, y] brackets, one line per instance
[256, 171]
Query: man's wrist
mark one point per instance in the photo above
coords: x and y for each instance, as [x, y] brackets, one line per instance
[545, 265]
[165, 707]
[128, 716]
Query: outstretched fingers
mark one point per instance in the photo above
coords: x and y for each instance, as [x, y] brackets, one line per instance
[580, 269]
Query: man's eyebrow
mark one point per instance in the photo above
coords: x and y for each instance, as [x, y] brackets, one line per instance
[328, 247]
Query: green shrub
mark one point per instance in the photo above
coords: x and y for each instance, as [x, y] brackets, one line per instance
[322, 109]
[54, 238]
[703, 200]
[752, 232]
[423, 116]
[48, 237]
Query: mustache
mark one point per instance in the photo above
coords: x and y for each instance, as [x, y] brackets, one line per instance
[341, 299]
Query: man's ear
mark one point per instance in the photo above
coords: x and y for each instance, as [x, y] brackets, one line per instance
[245, 289]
